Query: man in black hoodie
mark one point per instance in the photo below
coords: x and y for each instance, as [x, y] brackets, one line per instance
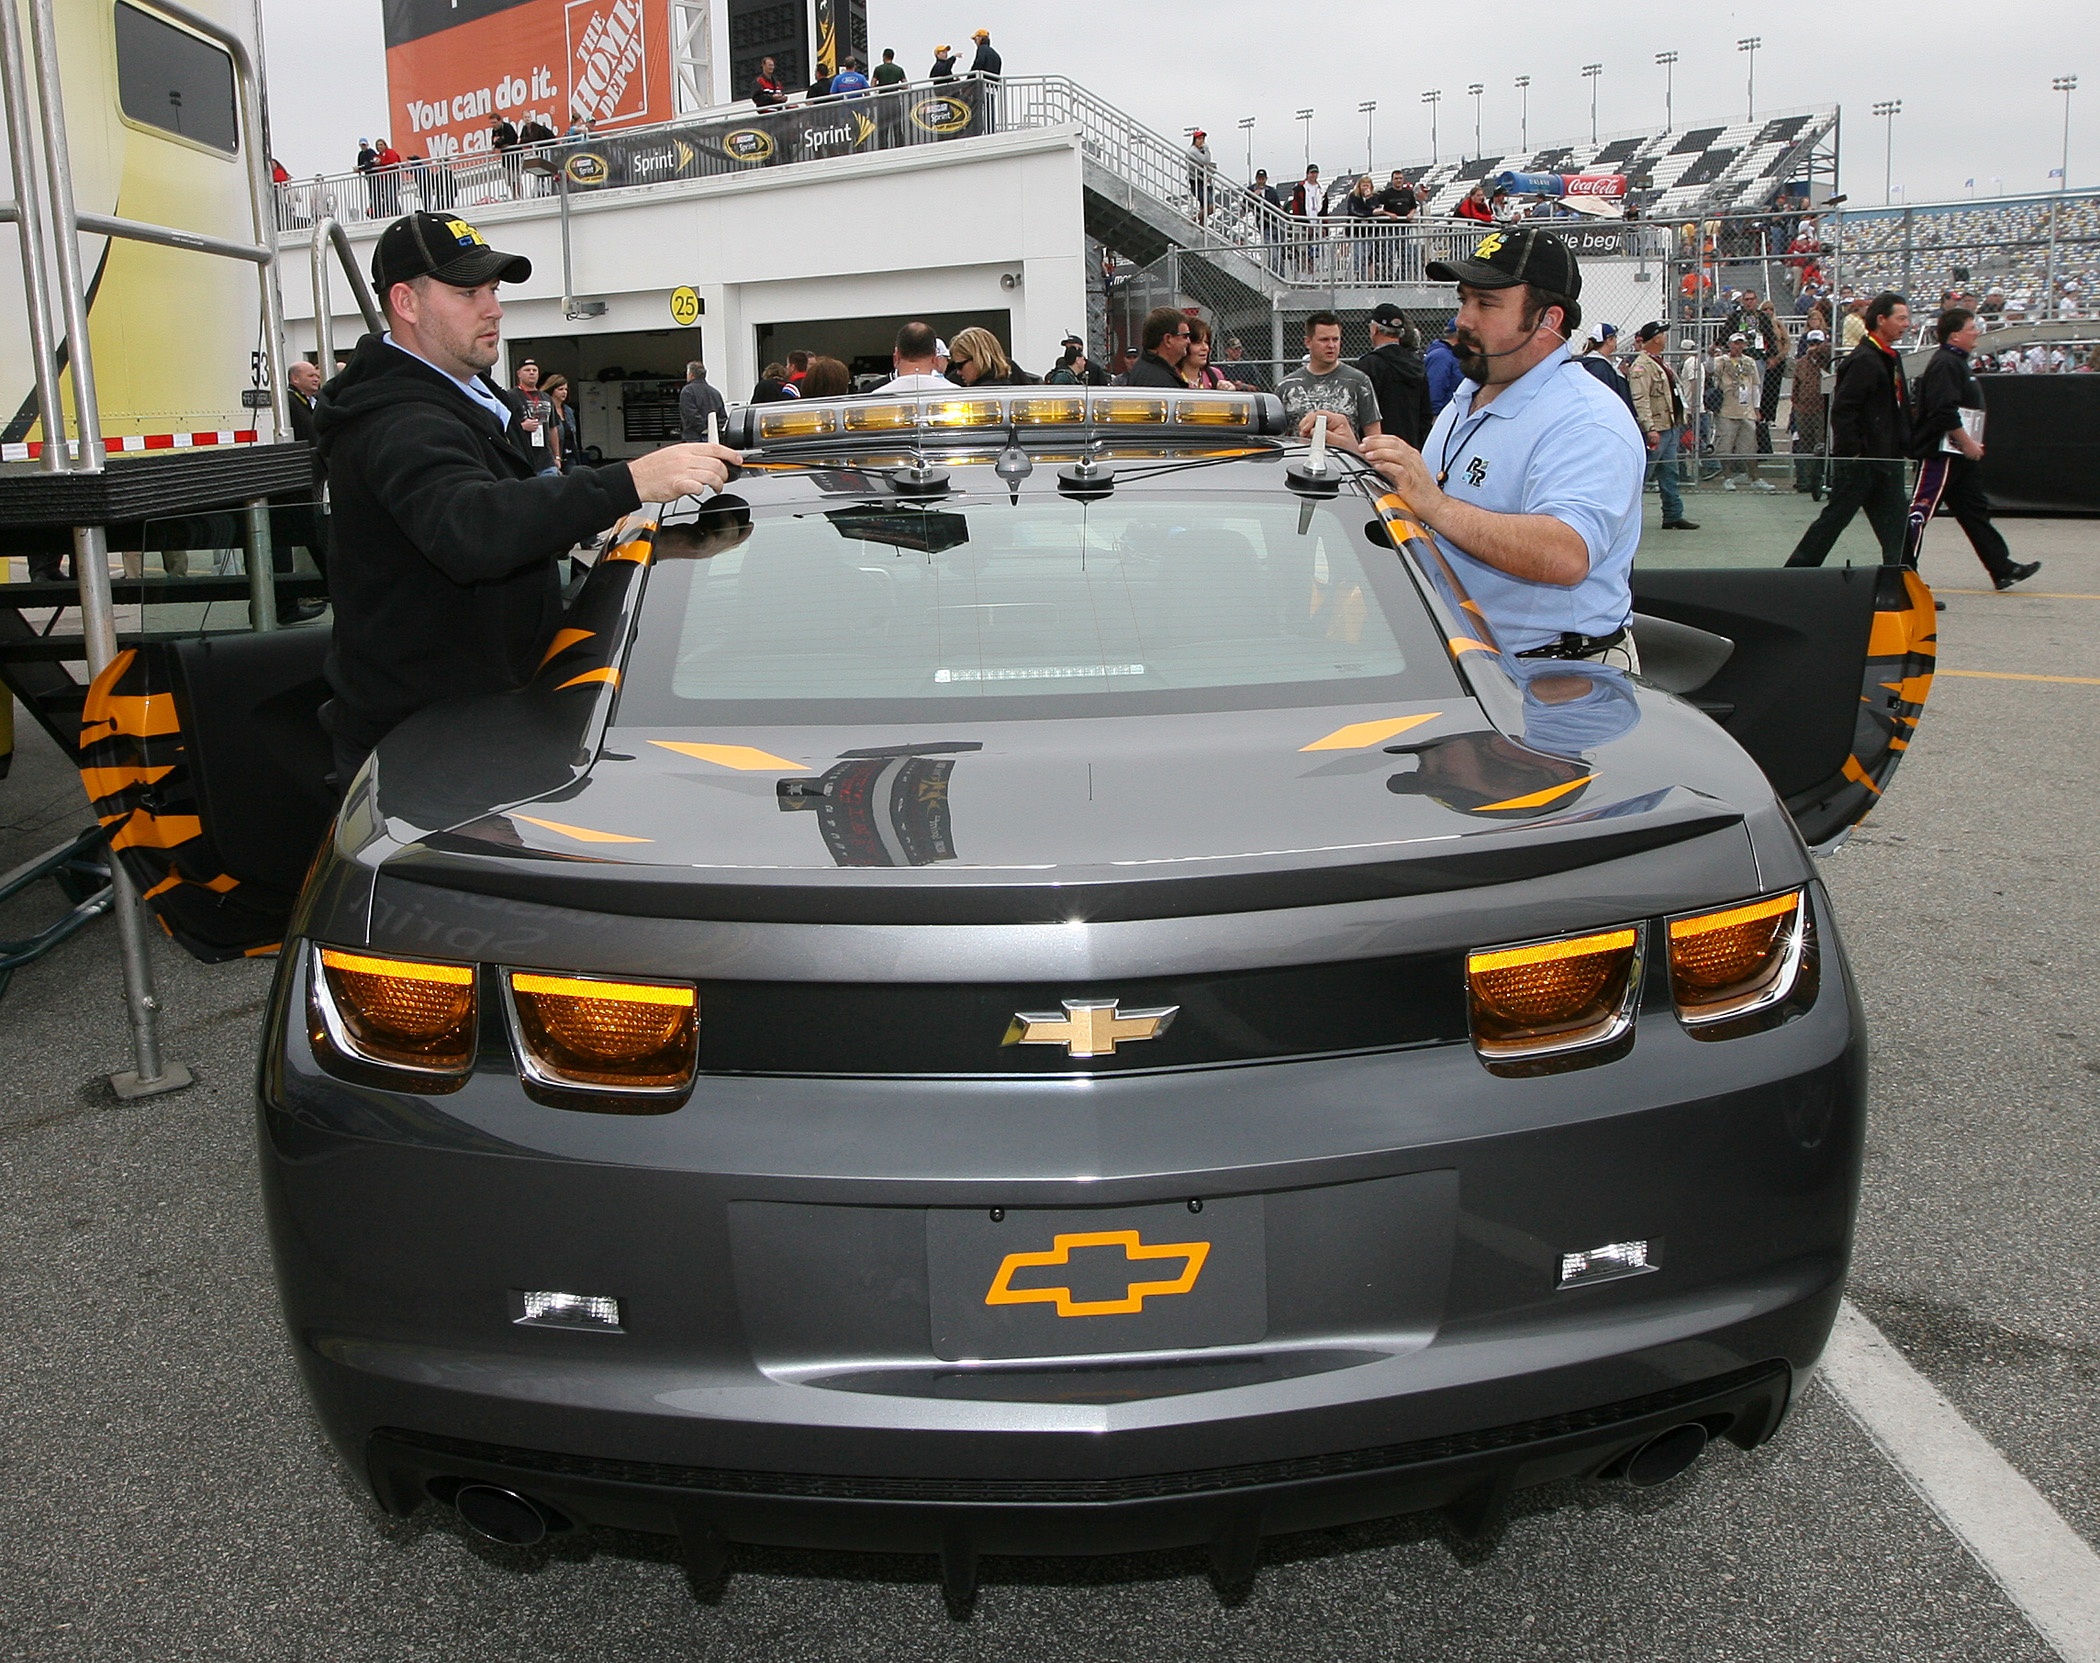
[1398, 376]
[444, 573]
[1949, 403]
[1870, 432]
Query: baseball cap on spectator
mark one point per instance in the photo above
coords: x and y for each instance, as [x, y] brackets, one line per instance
[942, 51]
[940, 348]
[1388, 316]
[1648, 331]
[980, 34]
[1739, 336]
[1815, 335]
[1505, 258]
[1605, 332]
[443, 247]
[1199, 133]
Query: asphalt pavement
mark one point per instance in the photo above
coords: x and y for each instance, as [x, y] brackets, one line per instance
[165, 1493]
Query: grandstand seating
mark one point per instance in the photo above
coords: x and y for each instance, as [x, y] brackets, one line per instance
[1730, 169]
[1977, 248]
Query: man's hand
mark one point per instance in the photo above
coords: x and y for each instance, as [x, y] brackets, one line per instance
[1339, 433]
[1654, 439]
[682, 471]
[1971, 448]
[1402, 467]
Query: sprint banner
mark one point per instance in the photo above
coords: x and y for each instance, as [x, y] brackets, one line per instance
[797, 133]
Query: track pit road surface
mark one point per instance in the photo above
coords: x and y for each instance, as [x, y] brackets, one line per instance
[166, 1495]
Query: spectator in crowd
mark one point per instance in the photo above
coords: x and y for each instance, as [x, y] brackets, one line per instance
[302, 386]
[502, 135]
[1398, 376]
[1196, 368]
[916, 359]
[581, 130]
[987, 62]
[1778, 343]
[820, 85]
[1659, 408]
[943, 64]
[1739, 378]
[1870, 431]
[368, 165]
[889, 73]
[1474, 204]
[1397, 200]
[1595, 357]
[798, 367]
[568, 438]
[1323, 387]
[536, 420]
[1853, 329]
[1120, 366]
[1811, 407]
[827, 378]
[1203, 174]
[978, 360]
[766, 91]
[1359, 208]
[772, 385]
[1440, 363]
[698, 399]
[1261, 191]
[851, 80]
[1950, 404]
[1071, 370]
[1165, 338]
[1308, 196]
[1093, 375]
[535, 131]
[1245, 374]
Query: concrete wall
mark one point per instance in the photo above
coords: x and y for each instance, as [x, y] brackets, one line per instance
[936, 228]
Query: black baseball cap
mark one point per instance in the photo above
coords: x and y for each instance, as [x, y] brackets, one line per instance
[1388, 316]
[1648, 331]
[1518, 254]
[441, 246]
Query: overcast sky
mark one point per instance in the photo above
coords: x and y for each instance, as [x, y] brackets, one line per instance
[1974, 83]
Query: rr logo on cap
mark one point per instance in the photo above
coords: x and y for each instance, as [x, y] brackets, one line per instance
[464, 234]
[1490, 246]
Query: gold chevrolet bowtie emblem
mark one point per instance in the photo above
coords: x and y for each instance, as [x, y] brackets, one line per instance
[1190, 1253]
[1088, 1027]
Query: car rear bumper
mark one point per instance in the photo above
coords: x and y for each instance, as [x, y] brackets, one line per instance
[1468, 1474]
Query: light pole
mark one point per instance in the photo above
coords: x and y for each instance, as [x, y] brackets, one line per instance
[1591, 73]
[1367, 109]
[1668, 62]
[1524, 114]
[1432, 99]
[1247, 127]
[1474, 92]
[1305, 130]
[1750, 44]
[2065, 84]
[1888, 109]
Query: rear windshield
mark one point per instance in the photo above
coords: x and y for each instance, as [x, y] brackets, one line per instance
[886, 612]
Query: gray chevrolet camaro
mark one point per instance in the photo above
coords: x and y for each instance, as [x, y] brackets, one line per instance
[1033, 981]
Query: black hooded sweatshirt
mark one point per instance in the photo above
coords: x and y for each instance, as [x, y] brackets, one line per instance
[444, 574]
[1401, 380]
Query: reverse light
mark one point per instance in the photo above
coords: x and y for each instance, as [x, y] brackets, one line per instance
[1738, 961]
[1605, 1264]
[583, 1033]
[1546, 999]
[395, 1013]
[596, 1313]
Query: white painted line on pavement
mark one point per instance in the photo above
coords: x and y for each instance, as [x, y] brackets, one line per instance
[2045, 1567]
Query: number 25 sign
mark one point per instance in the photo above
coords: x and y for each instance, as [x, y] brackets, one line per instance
[685, 306]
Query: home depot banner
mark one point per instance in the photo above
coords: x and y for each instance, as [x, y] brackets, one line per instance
[454, 66]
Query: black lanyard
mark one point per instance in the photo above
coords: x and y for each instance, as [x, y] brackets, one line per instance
[1460, 437]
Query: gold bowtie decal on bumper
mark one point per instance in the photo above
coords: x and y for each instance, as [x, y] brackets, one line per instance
[1088, 1027]
[1191, 1253]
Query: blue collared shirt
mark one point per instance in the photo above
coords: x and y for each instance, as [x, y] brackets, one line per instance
[1555, 441]
[471, 386]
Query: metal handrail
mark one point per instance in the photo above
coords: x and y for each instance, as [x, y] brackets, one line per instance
[327, 234]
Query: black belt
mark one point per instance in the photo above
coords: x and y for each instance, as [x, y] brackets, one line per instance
[1571, 645]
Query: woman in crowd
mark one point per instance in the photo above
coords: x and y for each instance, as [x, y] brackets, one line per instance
[976, 359]
[1196, 368]
[568, 444]
[826, 378]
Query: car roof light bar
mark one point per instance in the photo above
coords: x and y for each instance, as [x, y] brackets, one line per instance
[793, 424]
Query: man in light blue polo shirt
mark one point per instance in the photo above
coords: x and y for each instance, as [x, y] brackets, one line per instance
[1530, 481]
